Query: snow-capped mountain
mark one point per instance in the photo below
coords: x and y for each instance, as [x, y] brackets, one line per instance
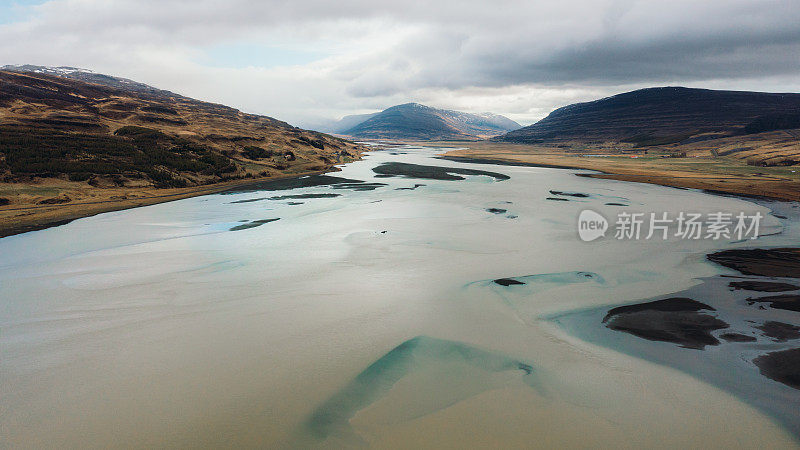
[88, 76]
[416, 121]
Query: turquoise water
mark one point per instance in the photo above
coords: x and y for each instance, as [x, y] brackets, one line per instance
[367, 310]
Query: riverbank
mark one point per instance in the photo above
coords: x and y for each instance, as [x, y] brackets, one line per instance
[718, 175]
[32, 208]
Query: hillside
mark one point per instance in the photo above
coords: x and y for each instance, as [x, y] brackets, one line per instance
[66, 141]
[88, 76]
[753, 125]
[413, 121]
[56, 127]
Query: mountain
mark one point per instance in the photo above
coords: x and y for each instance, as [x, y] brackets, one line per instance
[347, 122]
[662, 116]
[73, 125]
[88, 76]
[420, 122]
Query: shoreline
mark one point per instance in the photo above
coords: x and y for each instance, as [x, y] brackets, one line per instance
[757, 184]
[605, 168]
[601, 174]
[62, 214]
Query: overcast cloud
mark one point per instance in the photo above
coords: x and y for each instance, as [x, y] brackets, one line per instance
[302, 61]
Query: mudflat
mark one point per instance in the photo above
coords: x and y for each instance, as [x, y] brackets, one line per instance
[700, 170]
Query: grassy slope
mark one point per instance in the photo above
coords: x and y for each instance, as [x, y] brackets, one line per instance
[725, 174]
[70, 148]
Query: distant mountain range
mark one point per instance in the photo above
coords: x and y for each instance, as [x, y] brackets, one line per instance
[412, 121]
[346, 123]
[662, 116]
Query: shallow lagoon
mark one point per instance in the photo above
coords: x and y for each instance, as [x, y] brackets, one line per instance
[368, 317]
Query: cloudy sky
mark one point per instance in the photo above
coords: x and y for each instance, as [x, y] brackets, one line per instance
[307, 60]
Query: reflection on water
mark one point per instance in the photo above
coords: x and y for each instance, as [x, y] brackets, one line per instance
[378, 311]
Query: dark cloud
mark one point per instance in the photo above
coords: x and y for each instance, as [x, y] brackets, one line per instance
[378, 52]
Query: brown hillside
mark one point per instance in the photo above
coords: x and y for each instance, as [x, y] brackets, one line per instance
[54, 127]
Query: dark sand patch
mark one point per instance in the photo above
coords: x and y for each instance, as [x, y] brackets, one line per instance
[779, 262]
[295, 183]
[570, 194]
[737, 337]
[782, 366]
[417, 185]
[253, 224]
[294, 203]
[287, 197]
[788, 302]
[406, 170]
[728, 365]
[500, 162]
[763, 286]
[674, 304]
[675, 320]
[556, 199]
[507, 282]
[249, 200]
[362, 186]
[303, 196]
[615, 204]
[779, 331]
[496, 210]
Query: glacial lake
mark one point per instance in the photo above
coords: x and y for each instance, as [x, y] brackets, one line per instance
[359, 308]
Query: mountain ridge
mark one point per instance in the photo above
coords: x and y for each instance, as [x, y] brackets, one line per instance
[421, 122]
[660, 116]
[88, 76]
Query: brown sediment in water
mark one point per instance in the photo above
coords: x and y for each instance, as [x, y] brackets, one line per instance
[763, 286]
[570, 194]
[253, 224]
[737, 337]
[779, 331]
[788, 302]
[777, 262]
[782, 366]
[304, 196]
[507, 282]
[677, 320]
[416, 185]
[406, 170]
[672, 320]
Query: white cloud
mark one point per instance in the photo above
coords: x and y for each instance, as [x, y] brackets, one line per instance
[515, 57]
